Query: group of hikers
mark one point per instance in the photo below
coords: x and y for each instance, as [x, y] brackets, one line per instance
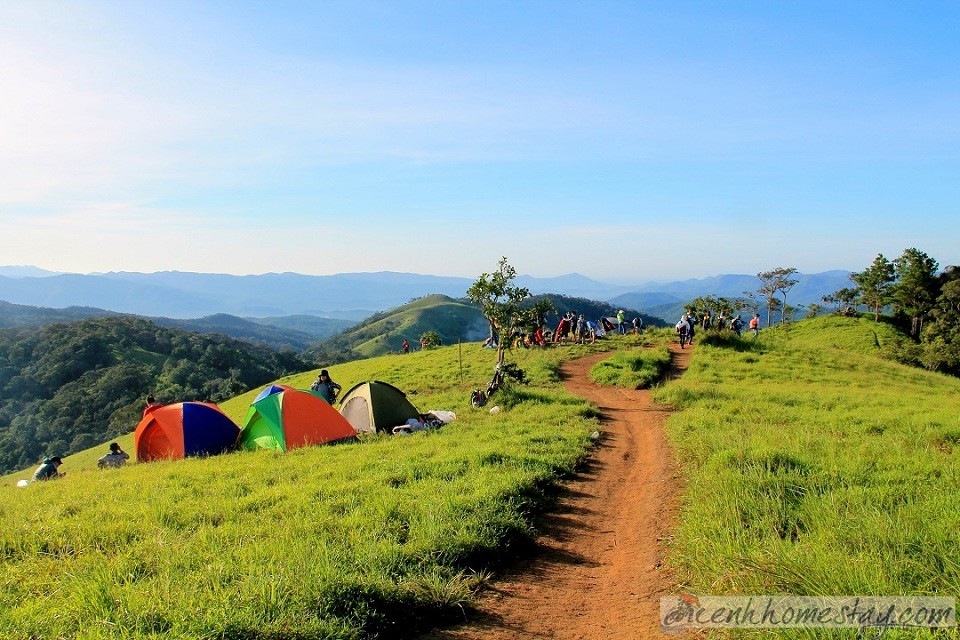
[689, 322]
[571, 328]
[574, 327]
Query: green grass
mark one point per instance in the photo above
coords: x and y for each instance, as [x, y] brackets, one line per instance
[816, 467]
[633, 369]
[359, 540]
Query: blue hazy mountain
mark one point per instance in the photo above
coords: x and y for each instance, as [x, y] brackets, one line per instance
[347, 296]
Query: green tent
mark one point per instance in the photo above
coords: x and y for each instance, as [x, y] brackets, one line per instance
[376, 406]
[290, 419]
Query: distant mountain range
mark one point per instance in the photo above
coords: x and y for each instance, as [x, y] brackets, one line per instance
[347, 296]
[291, 332]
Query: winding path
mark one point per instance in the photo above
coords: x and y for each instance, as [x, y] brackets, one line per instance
[598, 568]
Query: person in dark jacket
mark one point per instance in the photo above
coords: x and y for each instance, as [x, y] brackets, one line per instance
[49, 470]
[326, 387]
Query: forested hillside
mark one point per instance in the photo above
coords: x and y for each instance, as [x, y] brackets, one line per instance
[277, 333]
[66, 387]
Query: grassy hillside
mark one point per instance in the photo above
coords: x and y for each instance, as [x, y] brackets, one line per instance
[452, 319]
[384, 332]
[815, 466]
[359, 540]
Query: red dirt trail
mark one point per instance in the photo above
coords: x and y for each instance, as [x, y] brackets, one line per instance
[597, 571]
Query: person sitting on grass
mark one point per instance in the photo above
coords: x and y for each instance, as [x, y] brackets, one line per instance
[49, 470]
[116, 458]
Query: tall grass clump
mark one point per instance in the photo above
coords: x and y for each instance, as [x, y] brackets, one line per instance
[632, 369]
[815, 466]
[374, 539]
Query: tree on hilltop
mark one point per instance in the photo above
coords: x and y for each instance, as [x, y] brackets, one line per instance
[499, 299]
[876, 284]
[942, 334]
[916, 288]
[773, 282]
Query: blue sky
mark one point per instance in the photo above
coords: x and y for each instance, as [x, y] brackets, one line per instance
[624, 141]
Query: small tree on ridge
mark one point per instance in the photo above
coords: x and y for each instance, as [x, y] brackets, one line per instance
[499, 300]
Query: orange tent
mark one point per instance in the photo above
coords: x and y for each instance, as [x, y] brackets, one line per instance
[183, 430]
[290, 419]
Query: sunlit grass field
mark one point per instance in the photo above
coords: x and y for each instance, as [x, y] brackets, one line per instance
[816, 467]
[377, 538]
[637, 368]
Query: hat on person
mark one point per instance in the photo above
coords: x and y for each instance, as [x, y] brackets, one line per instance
[323, 373]
[56, 460]
[114, 446]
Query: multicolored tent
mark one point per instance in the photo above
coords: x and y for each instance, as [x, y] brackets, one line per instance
[376, 406]
[269, 391]
[290, 419]
[184, 429]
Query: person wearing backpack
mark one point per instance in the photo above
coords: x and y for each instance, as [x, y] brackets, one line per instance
[736, 324]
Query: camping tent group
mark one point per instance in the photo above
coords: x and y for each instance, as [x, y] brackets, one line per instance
[280, 418]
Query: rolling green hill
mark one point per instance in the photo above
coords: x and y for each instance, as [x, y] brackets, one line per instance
[452, 319]
[384, 332]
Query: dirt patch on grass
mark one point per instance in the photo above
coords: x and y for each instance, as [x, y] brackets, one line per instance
[598, 569]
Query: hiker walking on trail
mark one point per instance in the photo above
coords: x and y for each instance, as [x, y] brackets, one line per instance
[327, 388]
[691, 327]
[621, 322]
[405, 347]
[581, 331]
[562, 328]
[736, 324]
[116, 458]
[755, 325]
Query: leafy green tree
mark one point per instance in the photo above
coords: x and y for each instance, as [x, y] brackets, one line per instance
[916, 288]
[942, 333]
[876, 284]
[776, 281]
[500, 301]
[845, 298]
[430, 339]
[813, 309]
